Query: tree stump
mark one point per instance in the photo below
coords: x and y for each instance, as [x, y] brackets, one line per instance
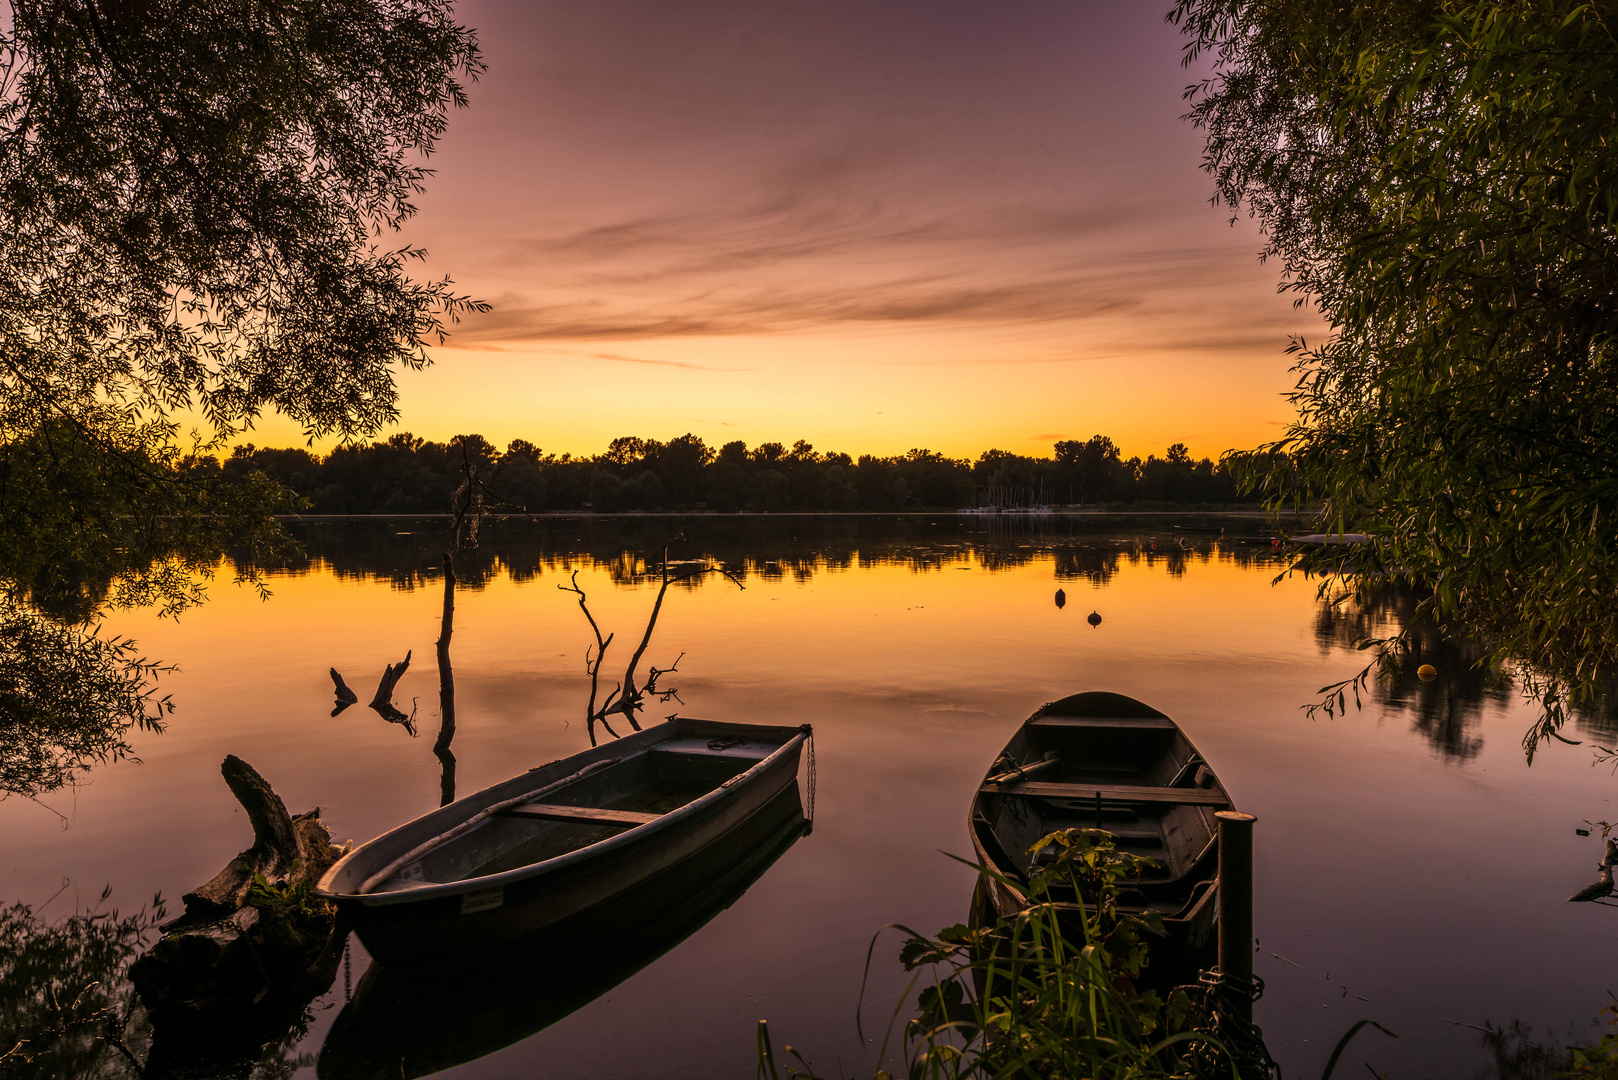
[390, 678]
[237, 968]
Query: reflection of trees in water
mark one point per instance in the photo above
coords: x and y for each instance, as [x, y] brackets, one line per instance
[65, 999]
[1097, 565]
[1598, 719]
[407, 553]
[1447, 710]
[68, 699]
[68, 1009]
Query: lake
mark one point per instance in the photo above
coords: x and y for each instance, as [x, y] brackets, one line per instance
[1411, 868]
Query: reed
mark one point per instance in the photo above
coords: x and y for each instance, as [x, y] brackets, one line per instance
[1051, 992]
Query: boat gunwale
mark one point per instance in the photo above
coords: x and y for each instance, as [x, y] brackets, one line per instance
[438, 890]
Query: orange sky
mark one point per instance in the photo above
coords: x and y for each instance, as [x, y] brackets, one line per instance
[947, 224]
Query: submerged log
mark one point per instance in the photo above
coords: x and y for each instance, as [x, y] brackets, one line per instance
[254, 945]
[285, 848]
[345, 695]
[1603, 884]
[390, 678]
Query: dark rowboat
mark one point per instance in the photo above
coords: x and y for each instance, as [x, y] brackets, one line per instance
[1101, 760]
[417, 1020]
[560, 839]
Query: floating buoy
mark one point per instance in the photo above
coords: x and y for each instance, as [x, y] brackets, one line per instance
[1426, 673]
[1061, 599]
[1094, 618]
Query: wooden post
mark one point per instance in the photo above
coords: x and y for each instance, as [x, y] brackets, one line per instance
[1236, 904]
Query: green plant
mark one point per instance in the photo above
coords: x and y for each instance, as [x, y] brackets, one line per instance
[1051, 991]
[279, 901]
[1601, 1060]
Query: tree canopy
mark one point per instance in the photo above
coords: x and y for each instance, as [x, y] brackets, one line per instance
[1440, 179]
[194, 206]
[190, 200]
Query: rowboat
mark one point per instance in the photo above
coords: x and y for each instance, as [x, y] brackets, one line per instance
[417, 1020]
[1102, 760]
[559, 839]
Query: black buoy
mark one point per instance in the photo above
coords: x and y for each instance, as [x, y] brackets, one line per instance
[1094, 619]
[1061, 599]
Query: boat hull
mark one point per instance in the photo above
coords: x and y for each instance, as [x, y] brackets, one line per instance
[415, 1021]
[480, 913]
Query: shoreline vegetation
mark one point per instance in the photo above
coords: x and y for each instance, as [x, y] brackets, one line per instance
[409, 475]
[1115, 510]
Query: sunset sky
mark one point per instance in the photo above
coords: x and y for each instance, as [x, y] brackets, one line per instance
[873, 226]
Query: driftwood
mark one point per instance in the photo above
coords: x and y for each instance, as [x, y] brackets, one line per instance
[467, 506]
[390, 678]
[345, 695]
[446, 686]
[1603, 884]
[285, 848]
[237, 969]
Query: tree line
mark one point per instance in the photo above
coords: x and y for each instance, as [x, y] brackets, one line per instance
[406, 474]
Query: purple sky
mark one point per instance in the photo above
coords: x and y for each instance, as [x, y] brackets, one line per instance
[871, 225]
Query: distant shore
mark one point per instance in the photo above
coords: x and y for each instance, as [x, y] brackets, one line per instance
[1246, 513]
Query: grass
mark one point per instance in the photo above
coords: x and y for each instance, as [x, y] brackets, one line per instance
[1050, 992]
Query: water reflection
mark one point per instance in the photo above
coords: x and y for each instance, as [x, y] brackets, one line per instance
[69, 1009]
[409, 1022]
[69, 699]
[66, 1006]
[1446, 709]
[408, 553]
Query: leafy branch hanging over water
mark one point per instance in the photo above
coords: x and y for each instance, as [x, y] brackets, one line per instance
[67, 701]
[1441, 182]
[191, 201]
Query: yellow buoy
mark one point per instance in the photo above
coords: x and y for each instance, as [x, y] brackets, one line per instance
[1426, 673]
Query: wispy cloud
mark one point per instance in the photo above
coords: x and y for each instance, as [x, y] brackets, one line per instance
[822, 240]
[661, 363]
[515, 318]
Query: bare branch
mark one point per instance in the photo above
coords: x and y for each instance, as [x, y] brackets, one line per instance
[629, 696]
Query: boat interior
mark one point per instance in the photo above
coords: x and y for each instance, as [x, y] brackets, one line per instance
[1135, 776]
[636, 790]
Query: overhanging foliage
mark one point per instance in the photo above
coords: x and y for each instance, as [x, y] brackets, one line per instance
[1441, 181]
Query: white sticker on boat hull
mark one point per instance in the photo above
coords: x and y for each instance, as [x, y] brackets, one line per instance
[483, 900]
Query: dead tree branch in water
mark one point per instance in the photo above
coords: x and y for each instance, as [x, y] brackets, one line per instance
[382, 702]
[345, 695]
[467, 505]
[390, 678]
[253, 948]
[593, 666]
[627, 697]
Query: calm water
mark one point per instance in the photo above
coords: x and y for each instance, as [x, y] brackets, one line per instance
[1411, 868]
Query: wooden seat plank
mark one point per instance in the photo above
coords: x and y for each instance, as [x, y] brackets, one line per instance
[1135, 723]
[1111, 792]
[588, 815]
